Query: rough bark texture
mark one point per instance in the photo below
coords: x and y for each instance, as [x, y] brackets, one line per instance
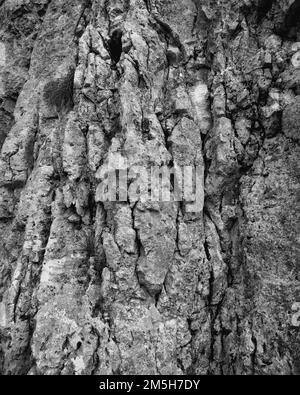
[140, 288]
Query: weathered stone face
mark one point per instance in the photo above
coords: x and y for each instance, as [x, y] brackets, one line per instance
[134, 286]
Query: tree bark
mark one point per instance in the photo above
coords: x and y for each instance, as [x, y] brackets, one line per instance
[134, 287]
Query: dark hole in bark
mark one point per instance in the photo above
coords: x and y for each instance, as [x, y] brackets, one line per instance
[263, 8]
[78, 345]
[291, 25]
[115, 46]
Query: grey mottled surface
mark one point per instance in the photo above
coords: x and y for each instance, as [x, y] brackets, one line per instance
[92, 288]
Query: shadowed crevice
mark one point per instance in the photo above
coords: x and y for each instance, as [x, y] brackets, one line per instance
[115, 46]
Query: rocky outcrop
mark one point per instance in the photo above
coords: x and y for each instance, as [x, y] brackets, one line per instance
[149, 287]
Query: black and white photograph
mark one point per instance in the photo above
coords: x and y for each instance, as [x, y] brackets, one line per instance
[149, 191]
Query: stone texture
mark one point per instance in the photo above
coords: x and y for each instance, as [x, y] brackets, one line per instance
[135, 287]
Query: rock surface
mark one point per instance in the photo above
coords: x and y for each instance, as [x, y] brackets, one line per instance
[130, 287]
